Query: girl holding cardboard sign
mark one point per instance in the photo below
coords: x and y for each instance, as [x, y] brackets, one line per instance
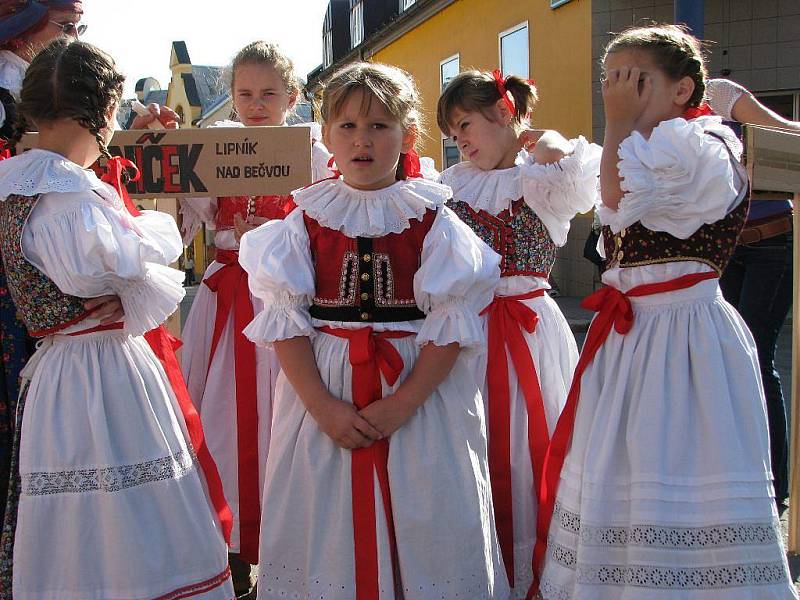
[237, 411]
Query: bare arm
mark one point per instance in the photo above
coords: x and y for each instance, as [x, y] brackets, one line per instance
[748, 109]
[337, 419]
[433, 365]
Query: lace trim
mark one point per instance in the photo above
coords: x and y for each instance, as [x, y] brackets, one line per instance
[659, 536]
[108, 479]
[491, 191]
[41, 171]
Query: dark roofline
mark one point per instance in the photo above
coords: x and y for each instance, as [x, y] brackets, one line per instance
[420, 12]
[181, 53]
[190, 85]
[140, 84]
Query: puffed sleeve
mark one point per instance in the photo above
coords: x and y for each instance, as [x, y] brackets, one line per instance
[195, 212]
[319, 162]
[557, 192]
[277, 258]
[92, 249]
[722, 94]
[677, 181]
[456, 280]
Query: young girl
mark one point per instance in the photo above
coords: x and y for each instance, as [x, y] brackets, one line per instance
[522, 208]
[377, 484]
[666, 489]
[112, 499]
[230, 380]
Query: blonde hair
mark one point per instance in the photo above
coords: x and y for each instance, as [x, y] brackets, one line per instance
[263, 53]
[473, 91]
[392, 87]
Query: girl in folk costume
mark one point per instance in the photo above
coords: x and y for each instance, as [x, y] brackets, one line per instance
[377, 482]
[237, 411]
[660, 459]
[111, 489]
[522, 207]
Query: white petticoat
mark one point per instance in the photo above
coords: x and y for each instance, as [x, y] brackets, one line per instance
[214, 392]
[666, 490]
[441, 498]
[112, 503]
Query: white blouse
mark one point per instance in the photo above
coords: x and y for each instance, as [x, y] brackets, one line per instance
[455, 280]
[676, 181]
[82, 237]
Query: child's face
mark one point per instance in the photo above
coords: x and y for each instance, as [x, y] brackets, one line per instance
[260, 96]
[488, 143]
[668, 97]
[366, 142]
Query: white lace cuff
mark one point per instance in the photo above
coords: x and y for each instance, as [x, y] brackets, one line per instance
[451, 322]
[148, 303]
[283, 317]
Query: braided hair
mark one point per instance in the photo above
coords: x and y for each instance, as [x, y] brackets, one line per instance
[673, 48]
[71, 79]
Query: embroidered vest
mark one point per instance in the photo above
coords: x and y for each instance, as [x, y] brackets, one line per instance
[517, 235]
[712, 244]
[268, 207]
[43, 307]
[366, 279]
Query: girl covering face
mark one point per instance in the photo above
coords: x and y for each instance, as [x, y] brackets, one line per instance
[657, 480]
[371, 291]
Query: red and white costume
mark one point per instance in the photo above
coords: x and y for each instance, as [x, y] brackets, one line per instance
[665, 490]
[111, 493]
[230, 380]
[524, 214]
[370, 277]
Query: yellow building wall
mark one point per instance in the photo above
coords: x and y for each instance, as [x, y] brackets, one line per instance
[559, 61]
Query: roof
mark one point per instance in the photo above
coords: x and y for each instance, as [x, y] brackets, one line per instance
[181, 53]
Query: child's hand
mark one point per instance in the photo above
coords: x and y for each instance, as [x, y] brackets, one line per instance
[550, 147]
[164, 114]
[626, 93]
[240, 226]
[341, 422]
[106, 308]
[388, 414]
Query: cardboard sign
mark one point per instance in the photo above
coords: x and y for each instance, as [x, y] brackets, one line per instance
[772, 157]
[220, 161]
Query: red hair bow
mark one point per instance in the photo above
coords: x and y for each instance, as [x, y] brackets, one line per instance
[500, 82]
[411, 166]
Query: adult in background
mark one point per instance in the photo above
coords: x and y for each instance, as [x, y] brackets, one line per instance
[758, 279]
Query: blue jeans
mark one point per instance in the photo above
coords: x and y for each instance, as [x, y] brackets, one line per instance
[758, 283]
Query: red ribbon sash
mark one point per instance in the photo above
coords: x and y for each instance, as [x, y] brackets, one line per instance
[164, 345]
[371, 356]
[613, 309]
[230, 283]
[508, 318]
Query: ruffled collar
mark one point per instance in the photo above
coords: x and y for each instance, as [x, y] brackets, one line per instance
[492, 191]
[41, 171]
[370, 213]
[12, 71]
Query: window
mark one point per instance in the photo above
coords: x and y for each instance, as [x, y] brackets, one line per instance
[448, 69]
[356, 22]
[514, 51]
[406, 4]
[450, 153]
[327, 39]
[786, 104]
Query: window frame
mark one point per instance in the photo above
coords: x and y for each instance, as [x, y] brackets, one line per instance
[442, 63]
[327, 39]
[356, 23]
[795, 93]
[446, 139]
[507, 32]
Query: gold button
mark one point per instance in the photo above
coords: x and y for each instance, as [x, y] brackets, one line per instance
[620, 255]
[365, 296]
[622, 232]
[365, 277]
[366, 258]
[365, 316]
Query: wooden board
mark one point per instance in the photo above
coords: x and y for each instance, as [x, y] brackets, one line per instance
[772, 157]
